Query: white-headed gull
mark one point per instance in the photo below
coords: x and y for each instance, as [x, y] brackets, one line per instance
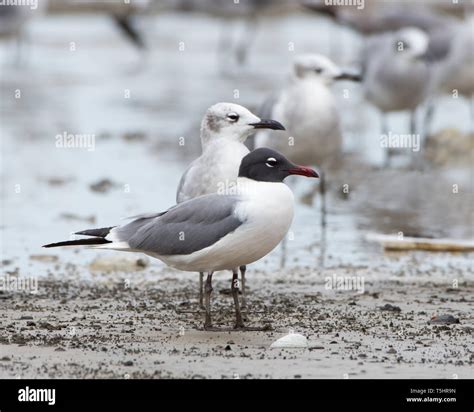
[308, 109]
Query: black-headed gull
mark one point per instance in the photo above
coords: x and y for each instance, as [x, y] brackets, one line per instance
[215, 231]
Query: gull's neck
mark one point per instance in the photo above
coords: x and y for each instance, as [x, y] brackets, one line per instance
[311, 81]
[209, 139]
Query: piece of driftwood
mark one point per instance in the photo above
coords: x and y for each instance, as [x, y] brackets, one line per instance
[394, 242]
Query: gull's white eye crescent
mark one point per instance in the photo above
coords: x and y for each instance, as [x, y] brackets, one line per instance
[271, 162]
[233, 117]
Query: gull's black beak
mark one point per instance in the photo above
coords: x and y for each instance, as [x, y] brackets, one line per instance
[355, 77]
[302, 171]
[268, 124]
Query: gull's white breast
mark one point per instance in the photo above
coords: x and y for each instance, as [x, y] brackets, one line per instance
[267, 211]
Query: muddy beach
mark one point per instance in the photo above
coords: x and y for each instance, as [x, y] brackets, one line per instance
[101, 315]
[119, 326]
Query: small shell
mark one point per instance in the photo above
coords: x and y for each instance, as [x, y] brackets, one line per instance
[292, 340]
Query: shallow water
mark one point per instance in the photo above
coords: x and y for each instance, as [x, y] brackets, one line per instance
[136, 138]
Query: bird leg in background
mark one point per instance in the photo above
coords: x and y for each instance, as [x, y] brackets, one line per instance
[207, 299]
[201, 290]
[283, 253]
[389, 151]
[239, 324]
[428, 119]
[322, 191]
[416, 157]
[243, 269]
[471, 109]
[413, 127]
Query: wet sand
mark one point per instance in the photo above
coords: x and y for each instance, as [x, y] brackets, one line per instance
[119, 326]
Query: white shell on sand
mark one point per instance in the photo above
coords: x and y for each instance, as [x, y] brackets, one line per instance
[292, 340]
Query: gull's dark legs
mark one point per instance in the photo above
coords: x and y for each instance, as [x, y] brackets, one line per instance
[243, 269]
[239, 324]
[207, 299]
[201, 290]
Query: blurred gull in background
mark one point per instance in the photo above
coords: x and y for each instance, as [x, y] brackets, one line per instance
[450, 39]
[396, 74]
[308, 109]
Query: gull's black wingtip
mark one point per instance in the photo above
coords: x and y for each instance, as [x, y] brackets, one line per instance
[79, 242]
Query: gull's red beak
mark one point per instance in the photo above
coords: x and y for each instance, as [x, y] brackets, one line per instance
[303, 171]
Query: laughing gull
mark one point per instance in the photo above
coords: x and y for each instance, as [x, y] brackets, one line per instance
[308, 109]
[224, 129]
[396, 74]
[215, 231]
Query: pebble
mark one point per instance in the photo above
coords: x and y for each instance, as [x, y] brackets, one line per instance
[443, 320]
[390, 308]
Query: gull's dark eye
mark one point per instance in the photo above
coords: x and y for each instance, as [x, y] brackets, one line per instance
[271, 162]
[233, 117]
[318, 70]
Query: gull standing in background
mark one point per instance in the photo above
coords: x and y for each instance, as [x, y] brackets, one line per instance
[222, 231]
[308, 109]
[224, 129]
[396, 74]
[450, 43]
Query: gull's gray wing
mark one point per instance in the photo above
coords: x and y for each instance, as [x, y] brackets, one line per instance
[192, 183]
[185, 228]
[180, 196]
